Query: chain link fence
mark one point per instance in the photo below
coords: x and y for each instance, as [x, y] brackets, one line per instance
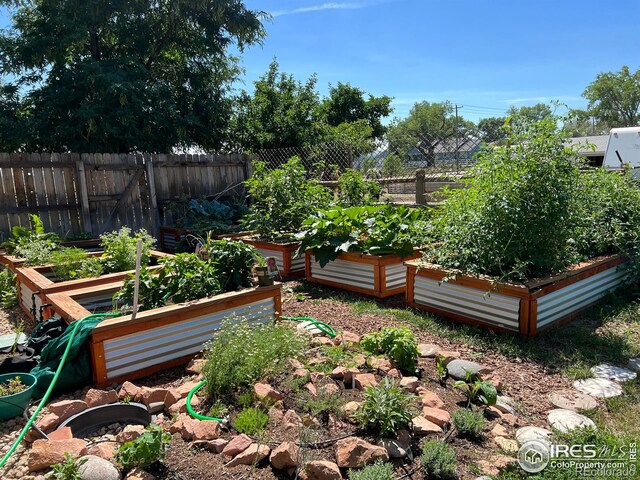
[392, 161]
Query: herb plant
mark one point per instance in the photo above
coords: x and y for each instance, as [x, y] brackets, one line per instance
[398, 343]
[68, 469]
[8, 289]
[377, 230]
[478, 391]
[376, 471]
[120, 249]
[468, 423]
[234, 261]
[386, 408]
[438, 460]
[73, 263]
[251, 421]
[12, 386]
[355, 190]
[21, 237]
[282, 199]
[241, 354]
[144, 450]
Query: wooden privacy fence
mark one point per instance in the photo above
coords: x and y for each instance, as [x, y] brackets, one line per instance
[74, 193]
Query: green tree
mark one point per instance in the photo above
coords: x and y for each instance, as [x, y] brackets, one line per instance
[492, 129]
[346, 104]
[580, 123]
[124, 76]
[281, 113]
[614, 97]
[428, 126]
[524, 117]
[12, 125]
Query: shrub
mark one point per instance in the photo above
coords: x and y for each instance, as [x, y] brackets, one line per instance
[72, 263]
[36, 251]
[438, 460]
[478, 391]
[376, 471]
[120, 249]
[22, 237]
[148, 448]
[468, 423]
[377, 229]
[320, 405]
[251, 421]
[355, 190]
[234, 261]
[181, 278]
[516, 220]
[399, 344]
[241, 354]
[8, 289]
[386, 408]
[283, 198]
[69, 469]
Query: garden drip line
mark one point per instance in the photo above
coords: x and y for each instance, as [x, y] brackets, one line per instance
[322, 326]
[52, 385]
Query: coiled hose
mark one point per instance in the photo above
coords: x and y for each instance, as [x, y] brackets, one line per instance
[42, 403]
[322, 326]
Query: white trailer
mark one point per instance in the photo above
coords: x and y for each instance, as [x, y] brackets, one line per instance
[623, 149]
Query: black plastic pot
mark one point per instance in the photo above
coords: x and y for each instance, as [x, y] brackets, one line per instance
[88, 421]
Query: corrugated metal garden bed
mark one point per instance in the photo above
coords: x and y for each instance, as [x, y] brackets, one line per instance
[284, 253]
[123, 348]
[522, 308]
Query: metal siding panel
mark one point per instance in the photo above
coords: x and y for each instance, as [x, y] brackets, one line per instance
[578, 295]
[297, 264]
[140, 350]
[396, 276]
[26, 299]
[496, 309]
[272, 253]
[342, 271]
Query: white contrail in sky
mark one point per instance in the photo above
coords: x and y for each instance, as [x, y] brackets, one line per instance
[326, 6]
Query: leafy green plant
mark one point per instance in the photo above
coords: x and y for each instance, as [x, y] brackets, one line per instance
[8, 289]
[251, 421]
[70, 263]
[22, 237]
[282, 199]
[146, 449]
[477, 390]
[120, 249]
[355, 190]
[378, 230]
[441, 367]
[438, 460]
[386, 408]
[377, 471]
[218, 409]
[241, 354]
[398, 343]
[69, 469]
[234, 261]
[12, 386]
[468, 423]
[17, 331]
[203, 215]
[37, 251]
[321, 404]
[180, 278]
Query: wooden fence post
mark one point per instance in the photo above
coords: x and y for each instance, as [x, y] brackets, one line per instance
[84, 197]
[421, 199]
[151, 182]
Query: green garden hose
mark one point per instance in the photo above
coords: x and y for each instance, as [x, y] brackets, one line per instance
[322, 326]
[51, 386]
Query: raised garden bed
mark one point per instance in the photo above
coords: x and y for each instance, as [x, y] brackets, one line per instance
[13, 262]
[170, 237]
[284, 253]
[376, 275]
[35, 283]
[160, 338]
[524, 308]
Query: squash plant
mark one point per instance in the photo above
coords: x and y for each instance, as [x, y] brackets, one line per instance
[282, 199]
[377, 230]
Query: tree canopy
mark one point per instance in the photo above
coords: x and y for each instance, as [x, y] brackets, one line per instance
[614, 97]
[128, 75]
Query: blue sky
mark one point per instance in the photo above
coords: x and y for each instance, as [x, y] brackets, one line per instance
[487, 54]
[484, 55]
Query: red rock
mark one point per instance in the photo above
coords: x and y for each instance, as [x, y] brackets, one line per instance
[67, 408]
[63, 433]
[410, 383]
[321, 470]
[499, 431]
[237, 444]
[192, 429]
[178, 393]
[291, 419]
[382, 364]
[139, 474]
[104, 450]
[276, 415]
[348, 375]
[360, 360]
[284, 456]
[448, 355]
[44, 453]
[325, 341]
[354, 452]
[181, 405]
[95, 397]
[251, 456]
[394, 373]
[330, 389]
[429, 399]
[316, 377]
[422, 426]
[364, 380]
[311, 388]
[128, 390]
[436, 415]
[148, 395]
[349, 409]
[129, 433]
[264, 390]
[338, 373]
[46, 424]
[195, 366]
[510, 419]
[176, 426]
[214, 446]
[301, 373]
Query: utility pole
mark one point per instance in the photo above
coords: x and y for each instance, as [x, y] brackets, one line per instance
[457, 139]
